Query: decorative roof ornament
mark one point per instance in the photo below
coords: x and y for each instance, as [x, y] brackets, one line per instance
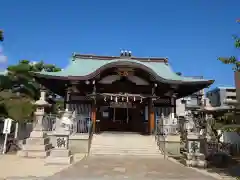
[125, 53]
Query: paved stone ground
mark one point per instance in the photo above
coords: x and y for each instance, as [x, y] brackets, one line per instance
[109, 167]
[13, 167]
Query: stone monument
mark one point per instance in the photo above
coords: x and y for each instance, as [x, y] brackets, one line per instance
[61, 153]
[37, 145]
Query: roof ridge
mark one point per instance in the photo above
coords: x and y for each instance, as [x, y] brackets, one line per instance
[102, 57]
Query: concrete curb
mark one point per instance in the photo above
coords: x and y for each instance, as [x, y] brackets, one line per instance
[203, 171]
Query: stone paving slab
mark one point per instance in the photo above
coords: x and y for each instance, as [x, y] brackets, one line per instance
[116, 167]
[13, 167]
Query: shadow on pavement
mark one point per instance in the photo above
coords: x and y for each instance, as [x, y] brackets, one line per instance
[224, 166]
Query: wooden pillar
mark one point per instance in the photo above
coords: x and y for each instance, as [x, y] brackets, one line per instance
[173, 105]
[93, 117]
[67, 105]
[151, 122]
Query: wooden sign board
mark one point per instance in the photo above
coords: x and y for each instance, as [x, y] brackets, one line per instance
[75, 97]
[121, 105]
[166, 101]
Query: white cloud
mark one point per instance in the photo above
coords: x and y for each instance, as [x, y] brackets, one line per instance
[3, 59]
[33, 63]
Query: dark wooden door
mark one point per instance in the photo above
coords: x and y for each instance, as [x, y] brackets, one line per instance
[116, 121]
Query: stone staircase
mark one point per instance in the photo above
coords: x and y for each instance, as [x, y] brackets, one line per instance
[124, 144]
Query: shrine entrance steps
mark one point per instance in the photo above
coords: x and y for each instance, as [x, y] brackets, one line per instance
[125, 144]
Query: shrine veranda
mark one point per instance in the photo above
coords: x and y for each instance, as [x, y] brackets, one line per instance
[120, 93]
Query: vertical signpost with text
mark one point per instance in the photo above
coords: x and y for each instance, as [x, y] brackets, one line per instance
[6, 131]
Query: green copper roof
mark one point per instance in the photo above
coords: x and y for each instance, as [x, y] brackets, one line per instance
[85, 67]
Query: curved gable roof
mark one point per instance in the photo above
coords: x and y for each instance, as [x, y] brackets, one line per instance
[88, 68]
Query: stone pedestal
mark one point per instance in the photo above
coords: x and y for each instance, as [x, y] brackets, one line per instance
[173, 144]
[194, 157]
[61, 153]
[37, 145]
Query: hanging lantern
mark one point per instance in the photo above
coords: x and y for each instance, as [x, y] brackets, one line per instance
[134, 98]
[111, 98]
[116, 99]
[122, 98]
[127, 98]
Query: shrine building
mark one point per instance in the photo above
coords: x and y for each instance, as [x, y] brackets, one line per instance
[120, 93]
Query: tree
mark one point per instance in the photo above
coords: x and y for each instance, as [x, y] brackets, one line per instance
[19, 90]
[232, 59]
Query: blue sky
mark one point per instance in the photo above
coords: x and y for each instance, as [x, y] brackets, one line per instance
[191, 33]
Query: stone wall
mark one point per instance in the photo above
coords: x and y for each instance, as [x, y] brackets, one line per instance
[78, 143]
[172, 144]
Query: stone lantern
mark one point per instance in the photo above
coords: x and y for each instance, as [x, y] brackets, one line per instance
[41, 104]
[193, 156]
[37, 145]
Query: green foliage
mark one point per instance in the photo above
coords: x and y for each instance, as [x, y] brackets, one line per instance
[232, 129]
[232, 59]
[60, 104]
[225, 123]
[20, 109]
[237, 41]
[19, 90]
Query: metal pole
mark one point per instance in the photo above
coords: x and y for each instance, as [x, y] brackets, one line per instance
[5, 143]
[16, 130]
[164, 144]
[114, 114]
[127, 114]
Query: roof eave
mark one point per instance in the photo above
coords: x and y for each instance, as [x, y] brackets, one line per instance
[87, 77]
